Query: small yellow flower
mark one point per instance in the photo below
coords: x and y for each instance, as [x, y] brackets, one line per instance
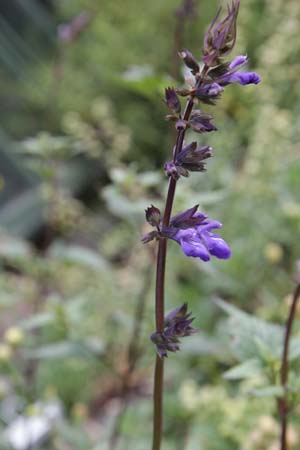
[273, 252]
[14, 336]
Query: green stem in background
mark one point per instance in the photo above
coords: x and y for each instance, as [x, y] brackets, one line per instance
[133, 353]
[160, 281]
[283, 406]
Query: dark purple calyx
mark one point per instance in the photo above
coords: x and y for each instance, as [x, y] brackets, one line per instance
[153, 216]
[190, 159]
[177, 324]
[201, 122]
[172, 100]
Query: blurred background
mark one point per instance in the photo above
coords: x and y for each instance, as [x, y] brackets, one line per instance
[82, 144]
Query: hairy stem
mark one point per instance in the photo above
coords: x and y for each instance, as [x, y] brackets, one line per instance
[283, 406]
[160, 281]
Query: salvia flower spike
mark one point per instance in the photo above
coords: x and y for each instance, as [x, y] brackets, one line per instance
[193, 230]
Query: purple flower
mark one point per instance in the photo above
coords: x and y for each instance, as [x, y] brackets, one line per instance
[196, 239]
[192, 230]
[238, 61]
[234, 76]
[177, 324]
[242, 78]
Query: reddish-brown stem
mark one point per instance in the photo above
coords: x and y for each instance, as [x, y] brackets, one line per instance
[158, 403]
[283, 406]
[160, 281]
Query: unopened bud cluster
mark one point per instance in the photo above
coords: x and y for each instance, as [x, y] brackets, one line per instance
[177, 325]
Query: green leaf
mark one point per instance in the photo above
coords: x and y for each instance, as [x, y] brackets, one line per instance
[269, 391]
[76, 254]
[251, 337]
[202, 344]
[11, 247]
[294, 350]
[37, 321]
[248, 369]
[65, 349]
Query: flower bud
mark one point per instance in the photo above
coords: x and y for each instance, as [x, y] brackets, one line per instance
[172, 101]
[177, 324]
[191, 157]
[153, 216]
[189, 61]
[200, 122]
[171, 170]
[180, 125]
[221, 36]
[209, 93]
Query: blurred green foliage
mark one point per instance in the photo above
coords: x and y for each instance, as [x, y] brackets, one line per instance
[68, 306]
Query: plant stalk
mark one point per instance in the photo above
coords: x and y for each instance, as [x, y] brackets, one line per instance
[160, 281]
[283, 406]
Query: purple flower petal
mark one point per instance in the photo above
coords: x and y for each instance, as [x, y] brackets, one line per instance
[238, 61]
[208, 225]
[216, 245]
[195, 248]
[192, 230]
[242, 78]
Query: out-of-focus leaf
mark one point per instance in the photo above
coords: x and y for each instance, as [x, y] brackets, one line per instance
[202, 345]
[121, 206]
[12, 247]
[66, 349]
[248, 369]
[250, 336]
[294, 350]
[37, 321]
[145, 84]
[76, 254]
[269, 391]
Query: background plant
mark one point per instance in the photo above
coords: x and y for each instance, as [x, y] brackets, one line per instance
[256, 196]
